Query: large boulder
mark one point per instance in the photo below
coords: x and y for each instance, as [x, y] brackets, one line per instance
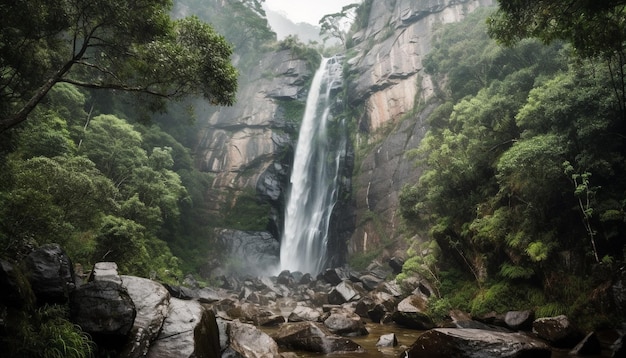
[476, 343]
[342, 293]
[51, 274]
[559, 331]
[105, 271]
[410, 313]
[241, 340]
[313, 337]
[152, 303]
[105, 310]
[189, 330]
[345, 324]
[520, 320]
[387, 340]
[303, 313]
[376, 306]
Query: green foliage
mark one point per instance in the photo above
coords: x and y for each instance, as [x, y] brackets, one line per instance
[46, 333]
[361, 260]
[247, 213]
[133, 47]
[494, 192]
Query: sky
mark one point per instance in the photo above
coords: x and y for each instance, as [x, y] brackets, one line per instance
[310, 11]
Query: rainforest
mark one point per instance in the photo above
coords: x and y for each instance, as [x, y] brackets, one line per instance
[478, 154]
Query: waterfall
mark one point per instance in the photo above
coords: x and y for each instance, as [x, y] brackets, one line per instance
[314, 178]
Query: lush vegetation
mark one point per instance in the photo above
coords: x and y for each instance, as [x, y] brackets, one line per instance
[524, 189]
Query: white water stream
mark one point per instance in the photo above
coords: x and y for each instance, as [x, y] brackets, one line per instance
[313, 185]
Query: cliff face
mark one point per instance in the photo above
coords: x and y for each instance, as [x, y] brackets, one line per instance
[250, 145]
[389, 83]
[247, 146]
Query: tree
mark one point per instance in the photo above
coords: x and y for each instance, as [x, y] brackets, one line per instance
[596, 29]
[333, 25]
[106, 44]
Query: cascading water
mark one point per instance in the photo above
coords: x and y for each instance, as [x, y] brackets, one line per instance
[314, 184]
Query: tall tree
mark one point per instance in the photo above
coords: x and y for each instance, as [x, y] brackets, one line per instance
[107, 44]
[596, 29]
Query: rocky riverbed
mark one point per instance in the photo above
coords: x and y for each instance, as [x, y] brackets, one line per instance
[339, 312]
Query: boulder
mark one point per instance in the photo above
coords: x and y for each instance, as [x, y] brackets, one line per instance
[342, 293]
[375, 306]
[243, 340]
[410, 313]
[105, 310]
[51, 274]
[387, 340]
[396, 264]
[370, 282]
[210, 295]
[152, 303]
[105, 271]
[286, 278]
[181, 292]
[269, 320]
[303, 313]
[188, 331]
[313, 337]
[476, 343]
[334, 276]
[559, 331]
[520, 320]
[345, 324]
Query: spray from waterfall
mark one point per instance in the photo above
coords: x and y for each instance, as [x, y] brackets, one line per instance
[314, 178]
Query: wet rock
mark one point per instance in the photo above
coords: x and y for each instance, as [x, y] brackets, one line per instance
[286, 278]
[410, 313]
[269, 320]
[334, 276]
[345, 324]
[188, 331]
[305, 279]
[303, 313]
[391, 288]
[245, 312]
[246, 341]
[210, 295]
[559, 331]
[476, 343]
[105, 310]
[387, 340]
[520, 320]
[313, 337]
[181, 292]
[590, 345]
[152, 303]
[105, 271]
[258, 298]
[464, 320]
[51, 274]
[396, 264]
[375, 306]
[370, 282]
[342, 293]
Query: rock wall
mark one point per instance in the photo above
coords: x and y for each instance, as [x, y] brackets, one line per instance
[248, 145]
[388, 82]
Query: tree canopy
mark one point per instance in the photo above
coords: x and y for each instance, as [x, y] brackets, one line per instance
[107, 44]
